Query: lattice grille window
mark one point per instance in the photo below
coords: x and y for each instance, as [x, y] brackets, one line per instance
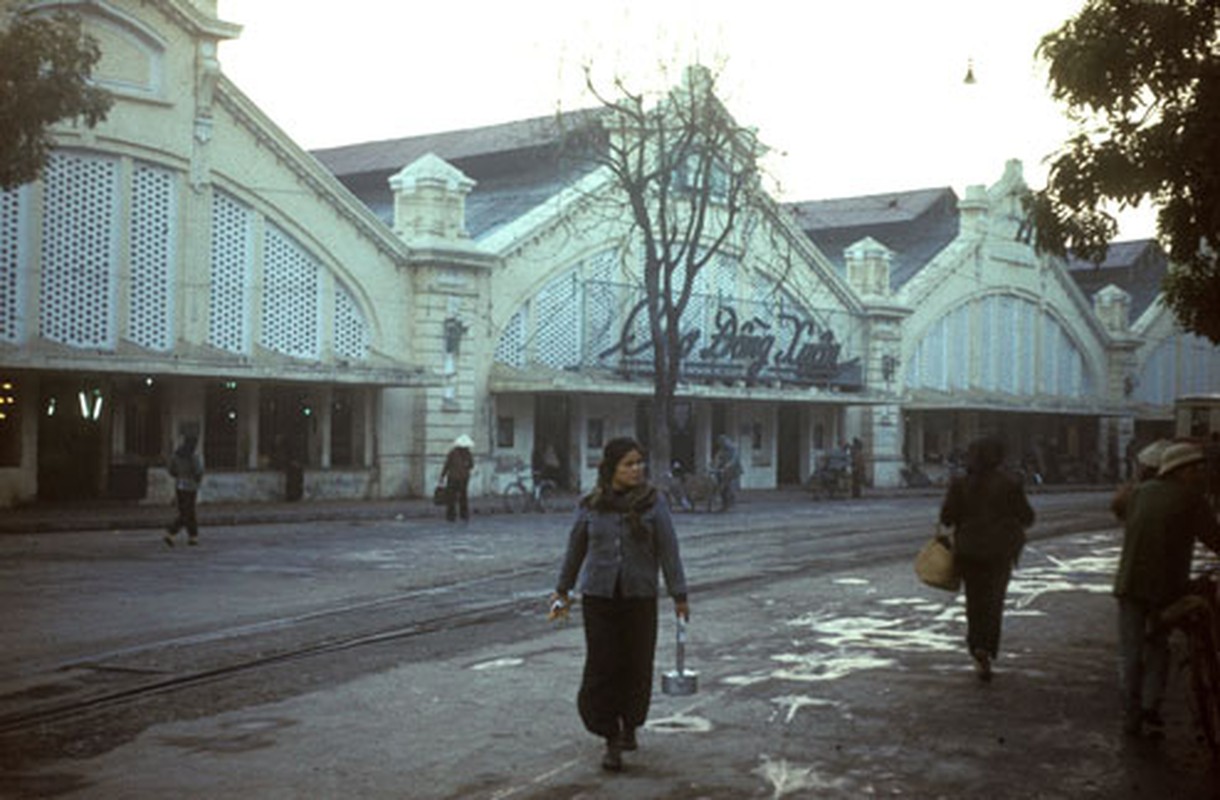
[510, 349]
[291, 297]
[12, 279]
[229, 292]
[153, 227]
[723, 278]
[79, 251]
[351, 329]
[557, 331]
[602, 300]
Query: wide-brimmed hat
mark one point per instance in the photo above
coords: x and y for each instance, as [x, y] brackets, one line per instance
[1180, 455]
[463, 441]
[1150, 456]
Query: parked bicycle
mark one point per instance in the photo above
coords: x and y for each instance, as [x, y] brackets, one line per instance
[831, 480]
[537, 495]
[689, 491]
[1197, 615]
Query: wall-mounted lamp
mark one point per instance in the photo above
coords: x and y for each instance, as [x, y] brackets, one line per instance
[454, 331]
[889, 367]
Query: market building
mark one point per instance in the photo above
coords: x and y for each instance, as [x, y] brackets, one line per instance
[784, 355]
[328, 323]
[1072, 365]
[184, 268]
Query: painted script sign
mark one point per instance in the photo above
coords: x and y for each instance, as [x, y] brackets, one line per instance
[788, 348]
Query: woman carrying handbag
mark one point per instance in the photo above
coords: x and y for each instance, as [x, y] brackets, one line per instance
[989, 513]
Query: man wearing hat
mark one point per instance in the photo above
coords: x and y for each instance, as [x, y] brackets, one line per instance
[1148, 463]
[1164, 518]
[455, 477]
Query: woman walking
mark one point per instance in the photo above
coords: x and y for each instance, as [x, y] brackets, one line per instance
[989, 513]
[186, 468]
[622, 537]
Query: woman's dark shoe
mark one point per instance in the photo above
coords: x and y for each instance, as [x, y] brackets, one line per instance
[612, 761]
[982, 664]
[1153, 723]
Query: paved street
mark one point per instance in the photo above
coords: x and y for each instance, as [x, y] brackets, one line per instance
[826, 669]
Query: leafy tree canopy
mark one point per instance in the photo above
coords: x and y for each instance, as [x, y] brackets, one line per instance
[45, 65]
[1141, 81]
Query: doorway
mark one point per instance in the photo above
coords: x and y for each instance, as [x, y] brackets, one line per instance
[682, 436]
[788, 457]
[70, 452]
[550, 457]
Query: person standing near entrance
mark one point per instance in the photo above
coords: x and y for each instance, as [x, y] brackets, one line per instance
[728, 465]
[186, 467]
[989, 513]
[857, 466]
[622, 537]
[455, 477]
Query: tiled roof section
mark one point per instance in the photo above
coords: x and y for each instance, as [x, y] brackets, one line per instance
[1137, 267]
[516, 166]
[391, 155]
[915, 224]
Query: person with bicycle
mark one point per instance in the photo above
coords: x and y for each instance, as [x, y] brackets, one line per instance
[1165, 516]
[622, 537]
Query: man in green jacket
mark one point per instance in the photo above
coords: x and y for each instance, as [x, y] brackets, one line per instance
[1165, 516]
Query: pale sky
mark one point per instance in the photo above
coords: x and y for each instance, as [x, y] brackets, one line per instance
[854, 96]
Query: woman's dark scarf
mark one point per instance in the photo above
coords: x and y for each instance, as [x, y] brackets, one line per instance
[631, 503]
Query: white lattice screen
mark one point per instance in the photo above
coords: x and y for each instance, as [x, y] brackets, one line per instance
[723, 279]
[510, 349]
[351, 329]
[12, 281]
[557, 326]
[229, 290]
[602, 303]
[79, 244]
[291, 297]
[153, 236]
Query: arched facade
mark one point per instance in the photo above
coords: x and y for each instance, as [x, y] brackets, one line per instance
[329, 323]
[185, 268]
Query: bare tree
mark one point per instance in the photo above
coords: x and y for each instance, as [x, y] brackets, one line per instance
[690, 177]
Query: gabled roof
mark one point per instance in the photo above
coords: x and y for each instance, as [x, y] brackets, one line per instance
[516, 166]
[915, 224]
[1137, 267]
[391, 155]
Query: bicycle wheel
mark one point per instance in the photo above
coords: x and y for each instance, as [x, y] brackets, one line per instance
[546, 496]
[516, 499]
[1205, 681]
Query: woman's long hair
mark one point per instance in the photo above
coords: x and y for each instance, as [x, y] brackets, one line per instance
[604, 498]
[615, 451]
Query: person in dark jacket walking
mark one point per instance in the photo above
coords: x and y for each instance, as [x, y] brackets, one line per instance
[1164, 518]
[622, 536]
[186, 467]
[455, 477]
[989, 513]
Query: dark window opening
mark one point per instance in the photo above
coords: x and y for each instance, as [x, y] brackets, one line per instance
[10, 424]
[220, 425]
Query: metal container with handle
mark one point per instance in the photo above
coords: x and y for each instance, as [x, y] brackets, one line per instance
[680, 681]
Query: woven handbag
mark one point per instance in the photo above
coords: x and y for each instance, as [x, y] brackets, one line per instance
[440, 496]
[934, 564]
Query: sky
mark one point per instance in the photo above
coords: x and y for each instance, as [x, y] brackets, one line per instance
[853, 97]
